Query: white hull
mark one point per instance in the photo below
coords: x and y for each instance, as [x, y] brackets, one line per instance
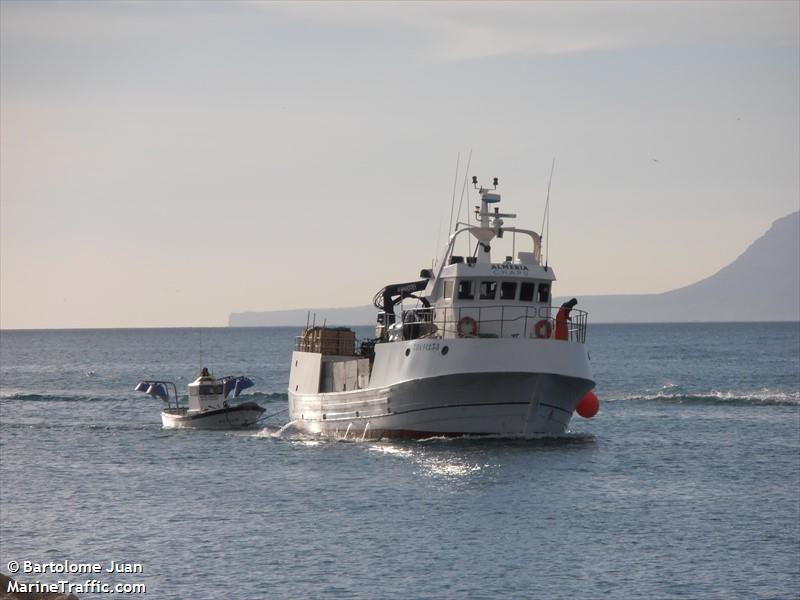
[477, 387]
[235, 417]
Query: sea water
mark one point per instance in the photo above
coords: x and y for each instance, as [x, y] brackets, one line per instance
[685, 485]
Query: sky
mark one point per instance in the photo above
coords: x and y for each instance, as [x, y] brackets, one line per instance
[163, 164]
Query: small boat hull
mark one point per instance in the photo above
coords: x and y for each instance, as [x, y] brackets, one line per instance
[240, 416]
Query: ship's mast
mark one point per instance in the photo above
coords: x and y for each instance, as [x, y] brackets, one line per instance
[489, 225]
[491, 222]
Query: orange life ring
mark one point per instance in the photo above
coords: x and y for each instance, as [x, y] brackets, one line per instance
[543, 329]
[467, 326]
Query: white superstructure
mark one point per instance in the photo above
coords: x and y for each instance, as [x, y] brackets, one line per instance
[483, 352]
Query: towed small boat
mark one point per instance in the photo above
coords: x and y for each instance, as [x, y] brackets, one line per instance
[208, 403]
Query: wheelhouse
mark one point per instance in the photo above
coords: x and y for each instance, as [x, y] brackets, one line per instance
[472, 296]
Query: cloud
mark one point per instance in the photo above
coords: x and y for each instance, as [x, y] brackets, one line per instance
[451, 31]
[439, 31]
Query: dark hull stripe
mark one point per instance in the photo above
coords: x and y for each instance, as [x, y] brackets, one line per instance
[219, 411]
[443, 406]
[564, 410]
[415, 410]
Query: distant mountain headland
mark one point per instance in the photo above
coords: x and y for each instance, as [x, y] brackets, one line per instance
[763, 284]
[354, 315]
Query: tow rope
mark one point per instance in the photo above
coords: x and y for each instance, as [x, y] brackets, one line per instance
[268, 416]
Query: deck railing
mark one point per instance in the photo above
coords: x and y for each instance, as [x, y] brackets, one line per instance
[496, 321]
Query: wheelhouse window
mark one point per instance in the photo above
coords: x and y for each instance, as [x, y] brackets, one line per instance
[544, 292]
[488, 290]
[206, 390]
[508, 290]
[448, 288]
[526, 290]
[465, 290]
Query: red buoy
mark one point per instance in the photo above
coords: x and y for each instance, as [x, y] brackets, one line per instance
[588, 406]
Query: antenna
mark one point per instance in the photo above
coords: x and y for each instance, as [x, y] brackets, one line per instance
[546, 215]
[466, 212]
[453, 202]
[439, 236]
[464, 187]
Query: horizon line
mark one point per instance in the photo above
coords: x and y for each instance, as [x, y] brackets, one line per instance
[175, 327]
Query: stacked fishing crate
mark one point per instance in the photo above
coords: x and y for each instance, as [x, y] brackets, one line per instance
[339, 341]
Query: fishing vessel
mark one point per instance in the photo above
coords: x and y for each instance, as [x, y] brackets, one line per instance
[482, 351]
[208, 406]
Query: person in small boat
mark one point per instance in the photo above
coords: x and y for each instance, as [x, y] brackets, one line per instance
[205, 373]
[562, 331]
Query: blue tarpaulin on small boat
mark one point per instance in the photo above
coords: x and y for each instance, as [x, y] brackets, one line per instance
[153, 388]
[242, 383]
[236, 385]
[227, 386]
[159, 390]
